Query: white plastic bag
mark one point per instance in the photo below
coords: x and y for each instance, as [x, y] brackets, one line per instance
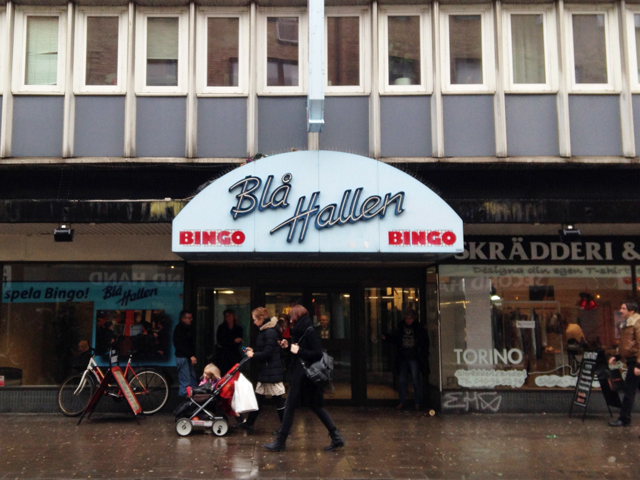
[244, 400]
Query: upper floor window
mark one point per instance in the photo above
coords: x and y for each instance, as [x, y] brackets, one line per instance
[467, 49]
[282, 52]
[347, 62]
[405, 43]
[100, 54]
[223, 66]
[529, 49]
[633, 34]
[161, 51]
[593, 53]
[39, 50]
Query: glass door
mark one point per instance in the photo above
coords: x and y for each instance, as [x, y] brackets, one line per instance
[384, 313]
[331, 314]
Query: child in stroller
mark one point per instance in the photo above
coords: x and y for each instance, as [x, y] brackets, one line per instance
[209, 404]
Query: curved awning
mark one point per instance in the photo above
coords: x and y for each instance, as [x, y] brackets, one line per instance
[300, 204]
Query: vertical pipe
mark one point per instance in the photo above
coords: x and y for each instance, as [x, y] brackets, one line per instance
[437, 119]
[374, 99]
[69, 115]
[252, 100]
[6, 129]
[499, 107]
[626, 97]
[191, 136]
[562, 103]
[130, 95]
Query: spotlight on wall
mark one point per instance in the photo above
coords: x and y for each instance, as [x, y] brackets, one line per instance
[64, 233]
[569, 231]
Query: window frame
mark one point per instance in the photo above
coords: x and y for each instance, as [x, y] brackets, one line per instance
[142, 15]
[488, 49]
[612, 49]
[426, 71]
[550, 37]
[22, 15]
[631, 12]
[303, 51]
[364, 86]
[80, 60]
[204, 14]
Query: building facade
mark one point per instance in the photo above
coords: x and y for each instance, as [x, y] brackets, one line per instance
[521, 116]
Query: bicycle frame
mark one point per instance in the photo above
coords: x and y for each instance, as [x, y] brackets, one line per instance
[93, 368]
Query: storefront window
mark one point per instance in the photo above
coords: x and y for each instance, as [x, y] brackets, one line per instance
[526, 326]
[50, 312]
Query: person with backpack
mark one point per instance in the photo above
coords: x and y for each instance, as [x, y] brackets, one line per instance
[305, 346]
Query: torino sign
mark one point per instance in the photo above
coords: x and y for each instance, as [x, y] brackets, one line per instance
[317, 201]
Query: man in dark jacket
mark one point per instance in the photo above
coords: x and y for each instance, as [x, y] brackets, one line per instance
[411, 344]
[184, 341]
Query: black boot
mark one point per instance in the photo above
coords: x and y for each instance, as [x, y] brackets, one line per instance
[336, 441]
[278, 445]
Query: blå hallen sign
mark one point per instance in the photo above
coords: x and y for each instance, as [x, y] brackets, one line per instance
[317, 201]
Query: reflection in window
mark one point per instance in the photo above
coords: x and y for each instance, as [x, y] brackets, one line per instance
[527, 45]
[42, 51]
[162, 51]
[222, 51]
[282, 52]
[343, 51]
[589, 49]
[404, 50]
[465, 49]
[102, 51]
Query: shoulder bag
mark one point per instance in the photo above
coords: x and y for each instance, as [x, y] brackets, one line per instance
[320, 372]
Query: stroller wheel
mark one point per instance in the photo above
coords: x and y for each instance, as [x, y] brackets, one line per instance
[184, 427]
[220, 427]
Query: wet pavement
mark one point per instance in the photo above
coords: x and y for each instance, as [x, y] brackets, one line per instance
[381, 443]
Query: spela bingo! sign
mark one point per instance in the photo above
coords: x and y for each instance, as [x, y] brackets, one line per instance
[125, 297]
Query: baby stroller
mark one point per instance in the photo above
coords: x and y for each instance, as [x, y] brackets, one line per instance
[203, 408]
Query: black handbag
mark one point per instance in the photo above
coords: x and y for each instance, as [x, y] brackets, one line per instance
[320, 372]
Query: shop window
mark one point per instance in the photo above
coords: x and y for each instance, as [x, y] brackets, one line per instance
[283, 52]
[468, 54]
[39, 50]
[161, 51]
[347, 65]
[530, 50]
[223, 43]
[526, 327]
[405, 46]
[593, 57]
[50, 313]
[101, 46]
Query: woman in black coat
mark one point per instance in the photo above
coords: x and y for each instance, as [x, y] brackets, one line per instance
[228, 338]
[267, 354]
[305, 345]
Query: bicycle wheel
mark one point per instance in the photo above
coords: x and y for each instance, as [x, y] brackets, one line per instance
[74, 394]
[151, 389]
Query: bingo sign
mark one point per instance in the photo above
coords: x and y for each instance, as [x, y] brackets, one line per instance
[317, 201]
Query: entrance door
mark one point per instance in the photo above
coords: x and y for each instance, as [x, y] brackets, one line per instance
[331, 313]
[384, 311]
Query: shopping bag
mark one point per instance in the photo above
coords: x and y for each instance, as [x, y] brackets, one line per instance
[244, 400]
[616, 381]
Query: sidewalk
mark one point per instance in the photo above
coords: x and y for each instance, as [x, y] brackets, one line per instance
[381, 443]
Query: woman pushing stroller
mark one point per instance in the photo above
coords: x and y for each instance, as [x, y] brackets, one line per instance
[305, 345]
[267, 353]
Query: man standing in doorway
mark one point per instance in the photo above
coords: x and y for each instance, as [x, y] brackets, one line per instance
[184, 341]
[412, 346]
[629, 351]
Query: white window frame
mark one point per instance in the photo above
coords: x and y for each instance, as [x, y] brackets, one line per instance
[364, 84]
[550, 38]
[612, 48]
[20, 50]
[80, 53]
[426, 70]
[303, 50]
[141, 51]
[488, 50]
[243, 51]
[632, 10]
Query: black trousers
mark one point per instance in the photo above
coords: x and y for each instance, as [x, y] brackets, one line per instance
[631, 383]
[253, 416]
[322, 414]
